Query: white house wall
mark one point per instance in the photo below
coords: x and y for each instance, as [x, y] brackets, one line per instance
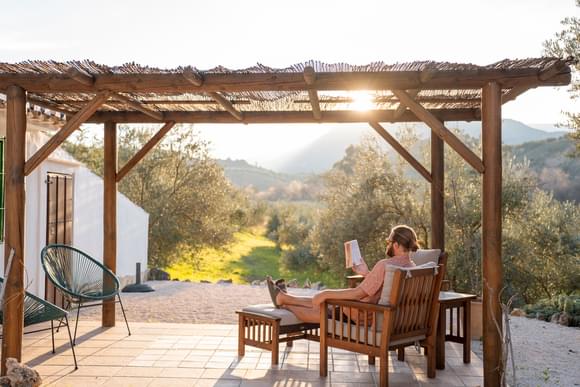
[132, 221]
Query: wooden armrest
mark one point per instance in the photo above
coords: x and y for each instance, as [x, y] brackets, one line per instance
[358, 305]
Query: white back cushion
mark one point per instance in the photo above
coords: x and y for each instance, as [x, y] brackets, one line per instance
[423, 256]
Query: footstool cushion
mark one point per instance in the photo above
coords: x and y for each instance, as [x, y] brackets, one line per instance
[286, 317]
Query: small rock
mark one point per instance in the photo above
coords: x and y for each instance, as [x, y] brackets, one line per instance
[159, 275]
[256, 283]
[564, 319]
[518, 312]
[205, 282]
[540, 316]
[293, 283]
[187, 280]
[4, 381]
[263, 283]
[175, 279]
[225, 281]
[20, 375]
[307, 284]
[555, 318]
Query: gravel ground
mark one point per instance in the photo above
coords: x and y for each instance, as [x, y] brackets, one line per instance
[546, 354]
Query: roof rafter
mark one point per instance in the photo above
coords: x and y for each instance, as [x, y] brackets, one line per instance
[133, 103]
[310, 79]
[238, 115]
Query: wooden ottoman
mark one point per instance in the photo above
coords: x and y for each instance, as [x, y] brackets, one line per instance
[264, 326]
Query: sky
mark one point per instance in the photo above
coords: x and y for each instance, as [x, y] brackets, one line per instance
[239, 34]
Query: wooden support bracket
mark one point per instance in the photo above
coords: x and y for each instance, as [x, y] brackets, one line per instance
[401, 150]
[71, 125]
[310, 78]
[441, 131]
[139, 106]
[144, 150]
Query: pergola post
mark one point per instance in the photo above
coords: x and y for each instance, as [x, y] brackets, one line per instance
[437, 192]
[15, 157]
[491, 233]
[110, 214]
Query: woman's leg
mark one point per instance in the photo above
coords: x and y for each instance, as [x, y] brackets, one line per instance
[305, 314]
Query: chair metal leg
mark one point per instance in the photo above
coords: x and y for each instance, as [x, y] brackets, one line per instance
[52, 334]
[124, 316]
[77, 323]
[60, 321]
[72, 347]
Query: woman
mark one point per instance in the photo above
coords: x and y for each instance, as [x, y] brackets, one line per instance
[402, 240]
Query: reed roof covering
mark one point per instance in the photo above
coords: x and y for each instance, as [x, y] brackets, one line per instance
[66, 87]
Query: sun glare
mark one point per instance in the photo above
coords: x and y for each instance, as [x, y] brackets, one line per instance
[362, 101]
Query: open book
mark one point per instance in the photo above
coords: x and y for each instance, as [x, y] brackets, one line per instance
[352, 254]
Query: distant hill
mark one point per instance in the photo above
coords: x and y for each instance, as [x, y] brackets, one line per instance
[556, 171]
[242, 174]
[320, 155]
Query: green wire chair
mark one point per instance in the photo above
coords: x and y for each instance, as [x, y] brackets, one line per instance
[80, 278]
[37, 310]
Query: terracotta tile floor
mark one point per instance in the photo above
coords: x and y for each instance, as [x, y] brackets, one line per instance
[161, 354]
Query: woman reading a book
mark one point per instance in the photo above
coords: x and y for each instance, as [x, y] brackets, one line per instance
[402, 240]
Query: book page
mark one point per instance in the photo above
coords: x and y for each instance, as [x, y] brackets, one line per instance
[352, 254]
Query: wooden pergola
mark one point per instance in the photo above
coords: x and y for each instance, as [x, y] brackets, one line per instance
[313, 92]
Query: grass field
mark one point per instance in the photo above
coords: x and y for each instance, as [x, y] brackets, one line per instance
[250, 257]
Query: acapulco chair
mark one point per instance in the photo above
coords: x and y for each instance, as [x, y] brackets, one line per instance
[83, 281]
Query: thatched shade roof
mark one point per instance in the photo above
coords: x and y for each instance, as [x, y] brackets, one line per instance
[440, 86]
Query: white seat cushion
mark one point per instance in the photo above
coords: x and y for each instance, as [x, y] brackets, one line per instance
[286, 317]
[370, 339]
[423, 256]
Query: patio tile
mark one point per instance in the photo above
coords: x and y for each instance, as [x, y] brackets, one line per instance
[217, 383]
[118, 381]
[174, 382]
[472, 381]
[176, 372]
[206, 355]
[139, 372]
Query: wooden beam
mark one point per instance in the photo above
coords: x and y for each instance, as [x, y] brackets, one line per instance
[402, 107]
[401, 150]
[49, 105]
[110, 215]
[310, 78]
[70, 126]
[435, 124]
[15, 155]
[143, 151]
[514, 92]
[491, 235]
[237, 82]
[80, 77]
[437, 192]
[133, 103]
[284, 117]
[227, 105]
[552, 70]
[192, 76]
